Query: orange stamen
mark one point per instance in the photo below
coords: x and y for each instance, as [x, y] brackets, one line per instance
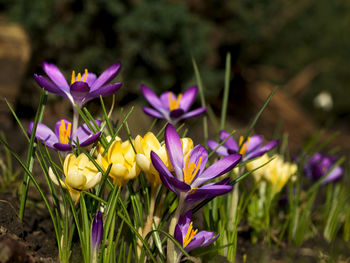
[73, 78]
[78, 77]
[191, 170]
[189, 235]
[64, 134]
[85, 75]
[174, 103]
[243, 146]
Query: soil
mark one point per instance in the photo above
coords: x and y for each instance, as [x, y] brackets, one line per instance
[32, 240]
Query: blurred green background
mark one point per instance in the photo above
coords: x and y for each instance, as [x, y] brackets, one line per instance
[300, 45]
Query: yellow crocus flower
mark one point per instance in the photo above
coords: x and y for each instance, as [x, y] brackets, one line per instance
[123, 159]
[80, 174]
[277, 172]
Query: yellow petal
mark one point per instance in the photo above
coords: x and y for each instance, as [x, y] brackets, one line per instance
[76, 180]
[118, 170]
[69, 163]
[143, 162]
[93, 181]
[53, 178]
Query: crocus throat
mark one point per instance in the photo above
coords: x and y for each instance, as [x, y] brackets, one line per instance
[189, 235]
[78, 77]
[191, 169]
[64, 132]
[174, 103]
[244, 146]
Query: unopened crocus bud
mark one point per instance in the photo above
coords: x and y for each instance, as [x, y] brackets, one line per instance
[96, 231]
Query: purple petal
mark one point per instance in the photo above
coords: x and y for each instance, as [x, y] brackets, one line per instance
[97, 230]
[194, 113]
[254, 143]
[57, 127]
[199, 152]
[221, 150]
[163, 171]
[151, 97]
[90, 140]
[109, 74]
[188, 97]
[334, 175]
[104, 91]
[62, 147]
[56, 76]
[164, 98]
[195, 243]
[44, 134]
[49, 86]
[152, 112]
[90, 79]
[230, 143]
[179, 185]
[219, 168]
[83, 132]
[79, 90]
[209, 191]
[174, 149]
[174, 114]
[178, 235]
[261, 151]
[205, 237]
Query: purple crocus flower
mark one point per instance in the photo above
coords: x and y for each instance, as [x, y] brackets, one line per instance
[319, 165]
[170, 107]
[96, 231]
[82, 88]
[59, 140]
[190, 174]
[190, 238]
[251, 149]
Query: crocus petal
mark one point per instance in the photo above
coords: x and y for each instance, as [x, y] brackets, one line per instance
[164, 99]
[90, 140]
[43, 133]
[196, 154]
[62, 147]
[254, 143]
[56, 76]
[334, 175]
[261, 151]
[151, 97]
[195, 243]
[178, 234]
[109, 74]
[230, 143]
[219, 168]
[79, 90]
[152, 112]
[221, 150]
[90, 79]
[208, 191]
[104, 91]
[57, 127]
[163, 171]
[83, 132]
[194, 113]
[49, 86]
[174, 114]
[93, 181]
[174, 149]
[188, 97]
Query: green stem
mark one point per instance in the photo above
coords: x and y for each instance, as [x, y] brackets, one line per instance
[172, 254]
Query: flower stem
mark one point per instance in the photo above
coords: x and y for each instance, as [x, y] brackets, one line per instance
[172, 254]
[75, 119]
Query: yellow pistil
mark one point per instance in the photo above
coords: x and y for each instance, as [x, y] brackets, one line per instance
[174, 103]
[189, 235]
[191, 170]
[244, 147]
[64, 133]
[78, 77]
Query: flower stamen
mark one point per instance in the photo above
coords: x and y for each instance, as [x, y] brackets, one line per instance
[191, 169]
[189, 235]
[64, 133]
[174, 103]
[78, 77]
[243, 146]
